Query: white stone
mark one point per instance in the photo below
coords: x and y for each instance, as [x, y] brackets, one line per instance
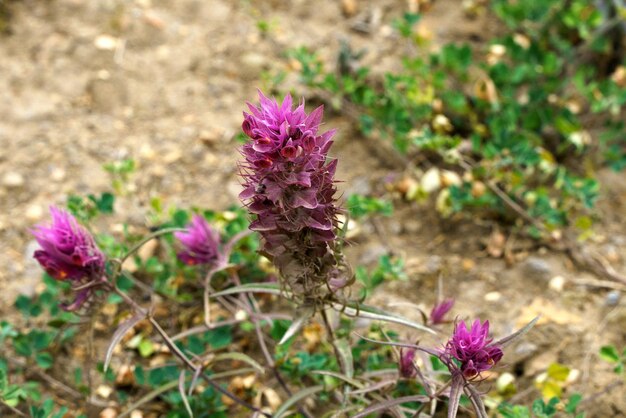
[431, 180]
[106, 42]
[493, 296]
[13, 179]
[557, 283]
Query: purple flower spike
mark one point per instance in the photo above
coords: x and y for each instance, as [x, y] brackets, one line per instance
[289, 189]
[437, 315]
[469, 353]
[406, 365]
[201, 243]
[472, 349]
[69, 252]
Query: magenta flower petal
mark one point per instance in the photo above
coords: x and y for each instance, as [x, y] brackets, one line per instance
[406, 366]
[289, 188]
[439, 311]
[472, 348]
[69, 252]
[200, 242]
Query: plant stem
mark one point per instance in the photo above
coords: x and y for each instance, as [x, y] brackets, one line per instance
[147, 238]
[178, 353]
[181, 356]
[12, 409]
[432, 397]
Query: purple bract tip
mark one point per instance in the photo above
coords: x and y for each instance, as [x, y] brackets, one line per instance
[200, 242]
[69, 252]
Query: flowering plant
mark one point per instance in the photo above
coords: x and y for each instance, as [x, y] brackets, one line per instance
[69, 252]
[289, 188]
[200, 242]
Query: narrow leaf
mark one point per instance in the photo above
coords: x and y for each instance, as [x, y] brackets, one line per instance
[119, 334]
[341, 413]
[369, 312]
[240, 357]
[373, 387]
[181, 389]
[171, 385]
[273, 288]
[339, 376]
[430, 351]
[196, 375]
[345, 356]
[477, 401]
[297, 324]
[509, 339]
[296, 397]
[383, 406]
[455, 395]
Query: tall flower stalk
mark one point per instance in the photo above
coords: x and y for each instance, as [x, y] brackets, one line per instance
[289, 188]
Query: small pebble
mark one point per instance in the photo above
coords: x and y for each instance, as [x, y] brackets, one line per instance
[104, 391]
[537, 267]
[58, 174]
[349, 7]
[493, 296]
[34, 212]
[106, 42]
[613, 297]
[13, 180]
[468, 264]
[108, 413]
[557, 283]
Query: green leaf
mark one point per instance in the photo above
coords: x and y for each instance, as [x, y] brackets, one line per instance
[219, 337]
[573, 402]
[6, 331]
[41, 339]
[360, 206]
[4, 381]
[295, 398]
[609, 353]
[44, 360]
[104, 203]
[240, 357]
[27, 306]
[146, 348]
[22, 345]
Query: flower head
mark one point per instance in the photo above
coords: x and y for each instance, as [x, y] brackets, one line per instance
[200, 242]
[440, 310]
[69, 252]
[472, 349]
[406, 365]
[467, 354]
[289, 188]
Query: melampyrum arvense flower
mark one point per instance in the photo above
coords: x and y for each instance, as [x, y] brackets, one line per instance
[472, 349]
[289, 188]
[69, 252]
[200, 242]
[467, 354]
[439, 311]
[406, 366]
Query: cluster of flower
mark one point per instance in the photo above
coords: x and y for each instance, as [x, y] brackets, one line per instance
[289, 189]
[69, 252]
